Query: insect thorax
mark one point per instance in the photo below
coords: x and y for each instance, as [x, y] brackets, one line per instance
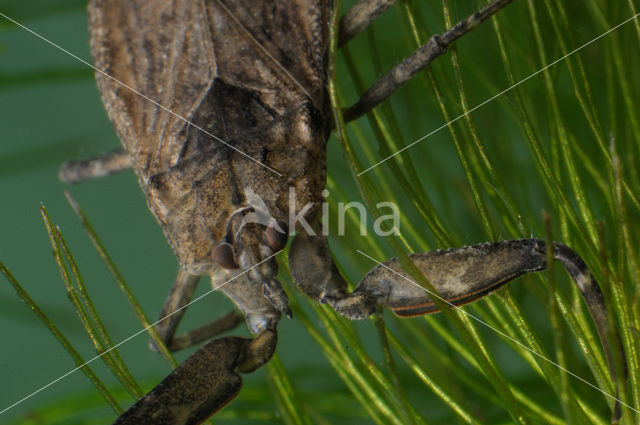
[197, 200]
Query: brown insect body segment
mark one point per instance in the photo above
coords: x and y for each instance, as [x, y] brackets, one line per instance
[243, 85]
[213, 383]
[461, 275]
[211, 100]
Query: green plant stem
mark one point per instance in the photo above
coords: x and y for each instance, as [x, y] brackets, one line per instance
[77, 358]
[459, 321]
[124, 287]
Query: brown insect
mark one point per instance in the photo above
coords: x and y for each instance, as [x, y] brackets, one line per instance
[219, 101]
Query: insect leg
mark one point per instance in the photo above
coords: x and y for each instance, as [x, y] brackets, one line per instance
[202, 384]
[175, 307]
[420, 59]
[459, 275]
[195, 336]
[359, 17]
[91, 168]
[316, 275]
[198, 387]
[463, 275]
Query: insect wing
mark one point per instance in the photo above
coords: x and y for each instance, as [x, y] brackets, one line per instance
[221, 65]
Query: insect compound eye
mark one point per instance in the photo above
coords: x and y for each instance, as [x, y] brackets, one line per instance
[276, 236]
[223, 255]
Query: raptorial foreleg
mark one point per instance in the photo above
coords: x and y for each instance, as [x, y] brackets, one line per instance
[459, 275]
[97, 166]
[173, 310]
[315, 273]
[202, 384]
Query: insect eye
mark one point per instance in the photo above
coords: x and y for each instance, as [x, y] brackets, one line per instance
[223, 255]
[277, 239]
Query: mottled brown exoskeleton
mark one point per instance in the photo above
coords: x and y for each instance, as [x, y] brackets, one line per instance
[219, 101]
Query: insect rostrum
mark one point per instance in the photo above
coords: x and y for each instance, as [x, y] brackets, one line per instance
[242, 87]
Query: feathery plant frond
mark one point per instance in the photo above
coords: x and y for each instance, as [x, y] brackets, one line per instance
[554, 156]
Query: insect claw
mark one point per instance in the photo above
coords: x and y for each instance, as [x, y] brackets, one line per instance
[258, 351]
[273, 291]
[202, 384]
